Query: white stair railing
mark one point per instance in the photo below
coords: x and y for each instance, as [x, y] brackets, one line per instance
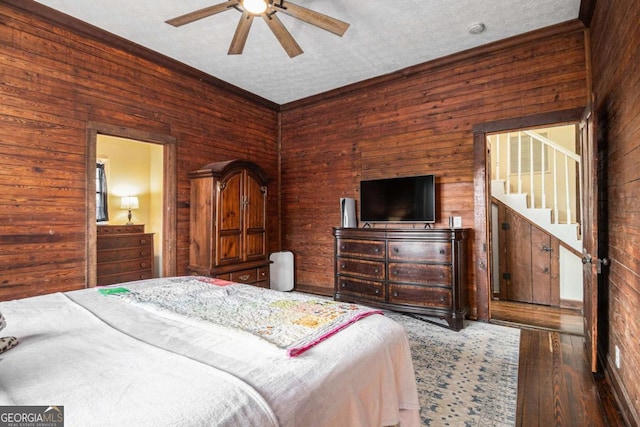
[560, 186]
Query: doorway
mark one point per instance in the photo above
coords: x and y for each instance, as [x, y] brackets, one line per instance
[164, 205]
[522, 306]
[134, 169]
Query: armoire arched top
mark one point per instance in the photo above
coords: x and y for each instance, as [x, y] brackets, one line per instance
[221, 169]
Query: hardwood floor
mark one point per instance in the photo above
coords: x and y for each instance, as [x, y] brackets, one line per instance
[568, 321]
[555, 386]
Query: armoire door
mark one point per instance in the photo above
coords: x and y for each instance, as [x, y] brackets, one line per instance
[229, 220]
[254, 217]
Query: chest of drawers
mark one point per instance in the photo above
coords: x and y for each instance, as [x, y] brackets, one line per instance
[124, 253]
[415, 271]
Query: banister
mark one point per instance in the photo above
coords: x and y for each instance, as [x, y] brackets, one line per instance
[538, 190]
[552, 144]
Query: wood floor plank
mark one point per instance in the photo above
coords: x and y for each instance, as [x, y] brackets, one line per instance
[546, 406]
[555, 384]
[564, 410]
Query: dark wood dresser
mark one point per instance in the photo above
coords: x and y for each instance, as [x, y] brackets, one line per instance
[421, 271]
[125, 253]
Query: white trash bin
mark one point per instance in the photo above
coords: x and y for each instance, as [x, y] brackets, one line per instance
[281, 271]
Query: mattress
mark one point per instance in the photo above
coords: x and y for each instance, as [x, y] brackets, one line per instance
[114, 360]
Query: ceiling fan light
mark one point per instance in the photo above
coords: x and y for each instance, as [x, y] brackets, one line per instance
[254, 6]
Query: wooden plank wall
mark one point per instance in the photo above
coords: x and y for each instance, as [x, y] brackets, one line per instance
[615, 47]
[417, 121]
[54, 81]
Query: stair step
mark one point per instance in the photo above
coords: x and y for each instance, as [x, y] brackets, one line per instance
[514, 201]
[568, 233]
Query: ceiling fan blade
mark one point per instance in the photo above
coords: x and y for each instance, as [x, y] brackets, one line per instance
[240, 36]
[283, 36]
[202, 13]
[311, 17]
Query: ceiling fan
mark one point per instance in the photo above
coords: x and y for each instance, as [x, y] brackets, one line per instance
[267, 9]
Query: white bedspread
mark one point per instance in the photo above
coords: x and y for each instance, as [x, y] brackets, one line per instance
[113, 363]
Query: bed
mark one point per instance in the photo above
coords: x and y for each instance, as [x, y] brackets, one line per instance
[162, 352]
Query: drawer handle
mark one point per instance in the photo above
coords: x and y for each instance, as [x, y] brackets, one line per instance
[143, 253]
[344, 285]
[343, 247]
[395, 294]
[263, 274]
[441, 299]
[396, 250]
[244, 277]
[377, 250]
[396, 272]
[375, 270]
[441, 251]
[343, 265]
[442, 275]
[377, 291]
[143, 264]
[143, 241]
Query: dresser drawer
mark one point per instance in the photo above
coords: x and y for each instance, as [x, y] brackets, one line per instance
[361, 248]
[124, 277]
[263, 275]
[427, 274]
[369, 289]
[120, 229]
[420, 251]
[358, 267]
[250, 276]
[118, 241]
[244, 276]
[420, 296]
[110, 255]
[108, 268]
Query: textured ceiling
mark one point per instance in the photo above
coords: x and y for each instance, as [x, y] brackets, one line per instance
[384, 36]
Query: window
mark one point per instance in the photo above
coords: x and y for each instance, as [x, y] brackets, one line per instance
[102, 209]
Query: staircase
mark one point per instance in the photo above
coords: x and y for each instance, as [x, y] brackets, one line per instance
[542, 217]
[539, 172]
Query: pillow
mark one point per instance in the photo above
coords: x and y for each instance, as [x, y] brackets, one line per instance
[6, 342]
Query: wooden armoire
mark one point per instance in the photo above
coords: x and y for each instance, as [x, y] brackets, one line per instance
[228, 233]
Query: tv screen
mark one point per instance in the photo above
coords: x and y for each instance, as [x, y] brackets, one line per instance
[410, 199]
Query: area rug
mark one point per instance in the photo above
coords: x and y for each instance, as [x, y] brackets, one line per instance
[467, 378]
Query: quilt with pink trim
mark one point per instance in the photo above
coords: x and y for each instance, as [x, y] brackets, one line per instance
[291, 321]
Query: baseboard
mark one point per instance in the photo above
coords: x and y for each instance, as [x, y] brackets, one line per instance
[630, 416]
[571, 304]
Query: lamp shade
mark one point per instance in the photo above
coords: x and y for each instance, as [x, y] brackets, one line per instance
[129, 202]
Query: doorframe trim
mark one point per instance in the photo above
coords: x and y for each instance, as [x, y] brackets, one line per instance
[481, 182]
[169, 202]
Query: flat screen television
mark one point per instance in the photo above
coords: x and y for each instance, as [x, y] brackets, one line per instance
[405, 199]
